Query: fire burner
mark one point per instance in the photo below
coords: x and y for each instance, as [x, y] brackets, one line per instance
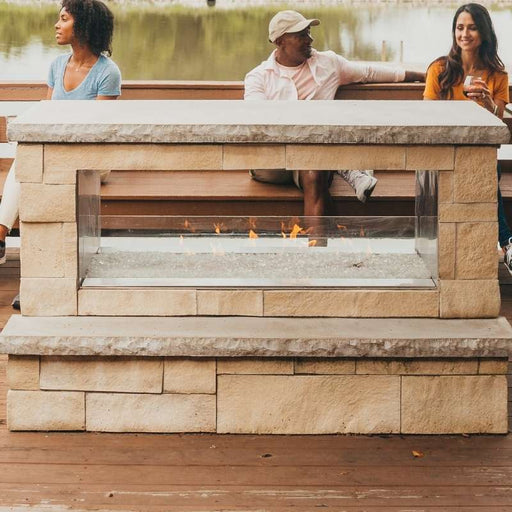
[258, 252]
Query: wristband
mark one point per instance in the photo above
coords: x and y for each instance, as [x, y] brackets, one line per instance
[495, 109]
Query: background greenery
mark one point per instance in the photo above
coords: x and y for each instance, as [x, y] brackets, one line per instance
[181, 43]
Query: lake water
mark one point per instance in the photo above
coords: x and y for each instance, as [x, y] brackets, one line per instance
[155, 42]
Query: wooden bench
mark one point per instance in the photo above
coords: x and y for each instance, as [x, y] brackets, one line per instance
[230, 193]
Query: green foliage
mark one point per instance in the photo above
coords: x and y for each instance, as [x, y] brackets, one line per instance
[178, 43]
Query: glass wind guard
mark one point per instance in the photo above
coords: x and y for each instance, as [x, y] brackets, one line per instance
[258, 252]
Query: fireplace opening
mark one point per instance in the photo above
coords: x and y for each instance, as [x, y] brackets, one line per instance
[258, 251]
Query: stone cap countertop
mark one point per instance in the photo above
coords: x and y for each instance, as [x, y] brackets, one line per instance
[237, 121]
[256, 337]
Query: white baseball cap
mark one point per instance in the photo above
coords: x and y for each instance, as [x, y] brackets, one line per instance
[286, 22]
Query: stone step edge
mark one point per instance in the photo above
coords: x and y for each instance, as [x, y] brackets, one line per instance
[256, 337]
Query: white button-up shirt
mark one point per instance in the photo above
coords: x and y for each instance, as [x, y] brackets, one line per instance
[329, 71]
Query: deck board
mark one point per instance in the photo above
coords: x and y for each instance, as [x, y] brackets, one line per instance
[206, 472]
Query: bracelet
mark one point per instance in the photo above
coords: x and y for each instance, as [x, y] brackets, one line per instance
[495, 109]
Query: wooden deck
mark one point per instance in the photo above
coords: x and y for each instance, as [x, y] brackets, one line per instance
[107, 472]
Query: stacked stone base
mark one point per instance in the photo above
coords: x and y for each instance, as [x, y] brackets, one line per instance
[258, 395]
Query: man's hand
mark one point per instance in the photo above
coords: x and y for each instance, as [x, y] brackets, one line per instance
[414, 76]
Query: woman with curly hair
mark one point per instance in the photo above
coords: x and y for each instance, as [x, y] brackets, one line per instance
[472, 70]
[87, 73]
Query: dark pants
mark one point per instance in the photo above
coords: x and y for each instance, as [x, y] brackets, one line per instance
[504, 233]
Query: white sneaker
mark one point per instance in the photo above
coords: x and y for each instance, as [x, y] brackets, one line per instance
[361, 181]
[507, 257]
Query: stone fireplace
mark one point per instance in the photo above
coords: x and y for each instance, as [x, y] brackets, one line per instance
[360, 348]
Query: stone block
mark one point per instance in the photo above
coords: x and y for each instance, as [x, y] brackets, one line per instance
[119, 374]
[63, 160]
[41, 249]
[493, 366]
[446, 247]
[246, 156]
[70, 249]
[429, 158]
[445, 194]
[255, 366]
[476, 250]
[48, 296]
[473, 212]
[23, 372]
[47, 203]
[454, 405]
[308, 404]
[417, 367]
[230, 302]
[334, 157]
[45, 410]
[469, 299]
[325, 366]
[136, 302]
[29, 163]
[122, 412]
[189, 376]
[475, 178]
[351, 303]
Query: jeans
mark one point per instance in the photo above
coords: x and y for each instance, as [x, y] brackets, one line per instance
[504, 233]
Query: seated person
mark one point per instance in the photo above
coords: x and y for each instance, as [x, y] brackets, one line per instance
[296, 71]
[87, 73]
[473, 71]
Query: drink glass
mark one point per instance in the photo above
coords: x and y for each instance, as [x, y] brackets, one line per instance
[469, 82]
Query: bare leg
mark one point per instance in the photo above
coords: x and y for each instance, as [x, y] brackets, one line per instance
[317, 200]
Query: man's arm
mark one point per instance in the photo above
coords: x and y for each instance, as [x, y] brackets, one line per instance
[254, 88]
[355, 72]
[414, 76]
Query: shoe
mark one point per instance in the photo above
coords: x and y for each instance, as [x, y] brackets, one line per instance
[16, 303]
[3, 256]
[507, 258]
[361, 181]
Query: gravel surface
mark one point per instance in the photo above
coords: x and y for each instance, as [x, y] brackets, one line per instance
[314, 263]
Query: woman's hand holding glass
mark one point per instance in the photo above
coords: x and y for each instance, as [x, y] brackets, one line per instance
[476, 89]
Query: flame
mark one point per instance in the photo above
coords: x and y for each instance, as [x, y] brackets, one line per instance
[312, 243]
[283, 229]
[296, 229]
[189, 226]
[341, 226]
[362, 233]
[252, 234]
[217, 228]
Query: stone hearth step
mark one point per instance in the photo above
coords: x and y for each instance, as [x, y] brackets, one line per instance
[256, 337]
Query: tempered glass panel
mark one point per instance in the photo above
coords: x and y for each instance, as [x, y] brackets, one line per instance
[258, 251]
[426, 218]
[89, 230]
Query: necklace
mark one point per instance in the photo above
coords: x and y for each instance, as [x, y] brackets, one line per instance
[77, 68]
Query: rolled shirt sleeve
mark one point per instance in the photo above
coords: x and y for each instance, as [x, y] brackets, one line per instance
[355, 72]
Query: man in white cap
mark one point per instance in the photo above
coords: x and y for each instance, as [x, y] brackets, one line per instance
[296, 71]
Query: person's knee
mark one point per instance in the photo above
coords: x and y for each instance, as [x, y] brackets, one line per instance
[315, 182]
